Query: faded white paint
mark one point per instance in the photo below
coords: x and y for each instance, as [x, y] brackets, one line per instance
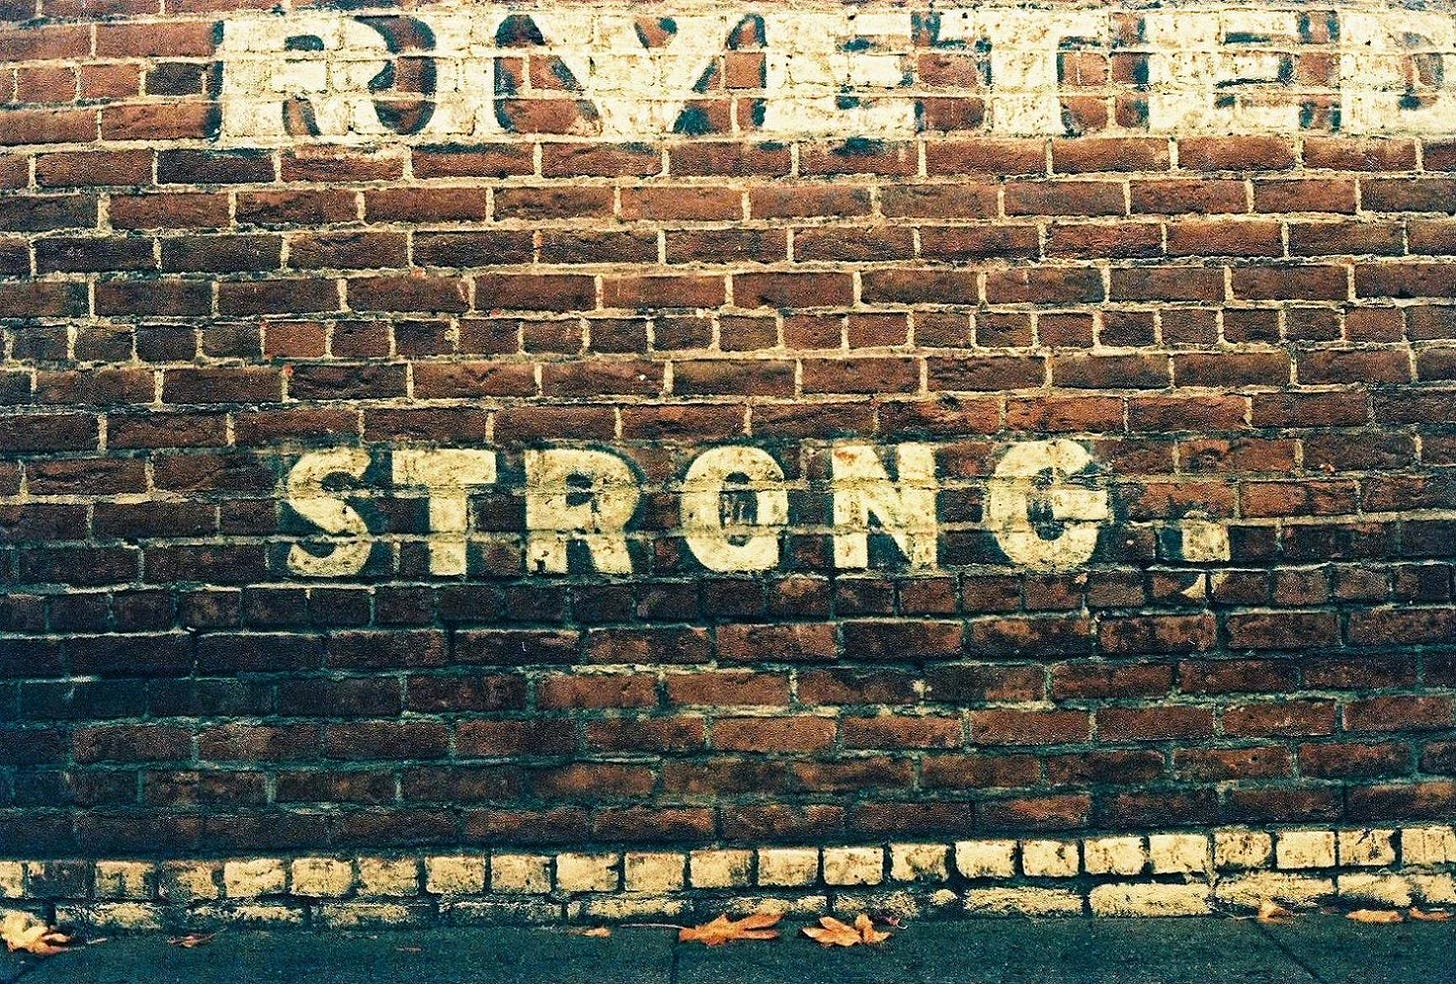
[1041, 507]
[330, 513]
[1024, 43]
[1374, 76]
[1045, 504]
[588, 496]
[1205, 541]
[866, 499]
[1200, 81]
[848, 72]
[736, 545]
[450, 474]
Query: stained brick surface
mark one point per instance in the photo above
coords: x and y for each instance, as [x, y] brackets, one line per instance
[1239, 352]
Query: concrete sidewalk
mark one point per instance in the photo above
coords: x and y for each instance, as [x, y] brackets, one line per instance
[1206, 951]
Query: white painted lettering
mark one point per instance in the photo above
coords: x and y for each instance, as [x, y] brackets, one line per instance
[588, 496]
[867, 500]
[449, 474]
[738, 542]
[1042, 516]
[330, 513]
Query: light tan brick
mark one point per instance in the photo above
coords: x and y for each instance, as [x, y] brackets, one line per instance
[854, 865]
[1367, 888]
[112, 915]
[587, 872]
[389, 877]
[252, 878]
[904, 904]
[803, 905]
[188, 881]
[1114, 855]
[321, 878]
[986, 858]
[1305, 849]
[1150, 900]
[455, 874]
[918, 862]
[524, 874]
[1433, 888]
[12, 879]
[717, 868]
[1023, 902]
[1178, 853]
[653, 872]
[1241, 849]
[119, 879]
[1427, 845]
[354, 915]
[788, 866]
[626, 906]
[1366, 848]
[1249, 891]
[1050, 858]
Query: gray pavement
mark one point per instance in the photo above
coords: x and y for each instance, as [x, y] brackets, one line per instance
[1075, 951]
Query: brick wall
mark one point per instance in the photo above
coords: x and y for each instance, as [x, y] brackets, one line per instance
[459, 447]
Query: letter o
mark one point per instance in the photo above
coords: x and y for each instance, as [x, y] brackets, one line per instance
[702, 517]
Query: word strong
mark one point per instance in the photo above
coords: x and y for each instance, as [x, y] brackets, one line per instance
[1043, 508]
[840, 72]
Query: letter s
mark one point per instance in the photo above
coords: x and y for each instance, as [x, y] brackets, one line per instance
[330, 513]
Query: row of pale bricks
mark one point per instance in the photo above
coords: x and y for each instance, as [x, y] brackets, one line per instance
[1235, 868]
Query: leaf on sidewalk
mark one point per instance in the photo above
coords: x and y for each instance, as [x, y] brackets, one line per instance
[867, 931]
[190, 940]
[758, 926]
[1433, 915]
[1376, 916]
[1273, 912]
[24, 933]
[832, 932]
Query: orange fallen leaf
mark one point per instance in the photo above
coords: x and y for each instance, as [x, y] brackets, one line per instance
[191, 940]
[24, 933]
[832, 932]
[867, 931]
[599, 931]
[1375, 916]
[1434, 915]
[1273, 912]
[758, 926]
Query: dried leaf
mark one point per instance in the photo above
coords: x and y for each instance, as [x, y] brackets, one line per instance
[832, 932]
[1376, 916]
[1273, 912]
[724, 930]
[1434, 915]
[191, 940]
[599, 931]
[24, 933]
[867, 931]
